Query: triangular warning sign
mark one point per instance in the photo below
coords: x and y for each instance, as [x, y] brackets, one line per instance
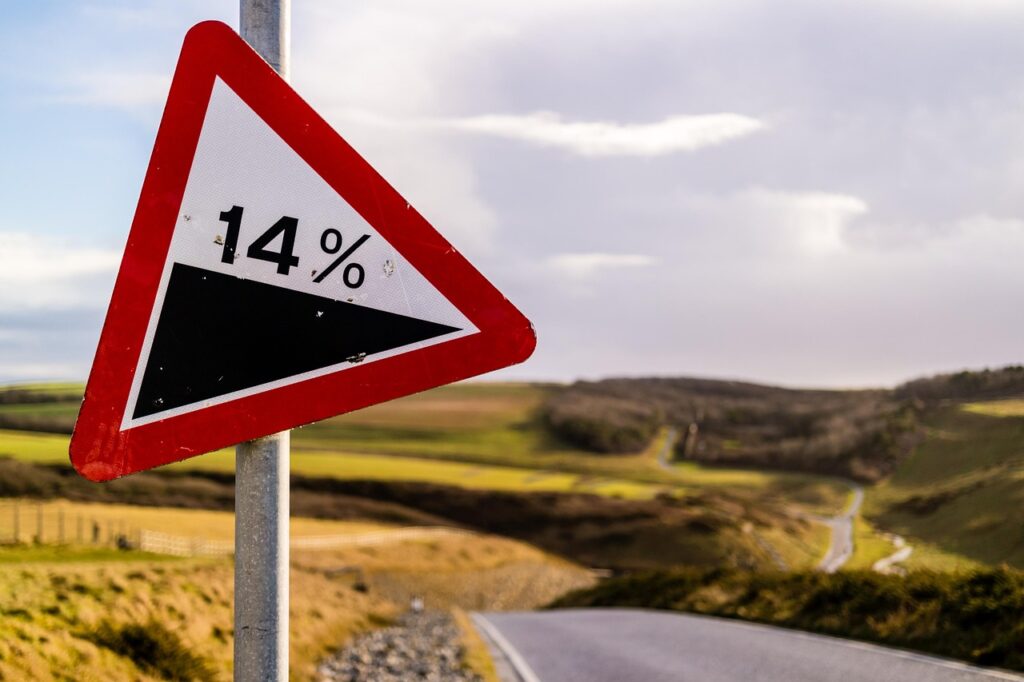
[272, 278]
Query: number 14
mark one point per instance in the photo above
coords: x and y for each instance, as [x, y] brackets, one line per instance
[285, 259]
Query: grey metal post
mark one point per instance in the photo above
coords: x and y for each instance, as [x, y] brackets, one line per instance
[262, 465]
[261, 559]
[267, 26]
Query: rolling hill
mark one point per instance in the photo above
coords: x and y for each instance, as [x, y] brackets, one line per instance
[741, 484]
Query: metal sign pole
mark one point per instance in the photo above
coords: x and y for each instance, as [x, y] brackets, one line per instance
[262, 465]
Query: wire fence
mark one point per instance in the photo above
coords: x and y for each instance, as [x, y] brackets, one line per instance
[27, 522]
[23, 522]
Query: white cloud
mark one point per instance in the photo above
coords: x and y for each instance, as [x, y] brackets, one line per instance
[608, 138]
[815, 222]
[43, 272]
[588, 138]
[583, 265]
[127, 90]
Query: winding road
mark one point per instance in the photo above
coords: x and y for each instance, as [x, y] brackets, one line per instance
[841, 547]
[664, 454]
[622, 645]
[842, 525]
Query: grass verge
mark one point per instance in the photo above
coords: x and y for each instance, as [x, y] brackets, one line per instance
[475, 653]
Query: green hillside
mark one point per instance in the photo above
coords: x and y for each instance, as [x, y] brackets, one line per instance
[957, 497]
[493, 437]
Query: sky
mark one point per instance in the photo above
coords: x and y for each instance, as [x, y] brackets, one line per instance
[806, 193]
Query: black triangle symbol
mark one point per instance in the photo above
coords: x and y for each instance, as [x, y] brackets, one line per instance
[218, 334]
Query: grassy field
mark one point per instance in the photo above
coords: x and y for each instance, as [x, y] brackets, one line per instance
[396, 468]
[109, 614]
[869, 546]
[491, 437]
[800, 545]
[199, 523]
[40, 448]
[1013, 407]
[473, 435]
[955, 497]
[490, 424]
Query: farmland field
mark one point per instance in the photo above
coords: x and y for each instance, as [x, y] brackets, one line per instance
[492, 437]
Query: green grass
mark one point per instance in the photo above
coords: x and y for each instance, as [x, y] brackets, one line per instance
[394, 468]
[70, 554]
[955, 499]
[1013, 407]
[868, 546]
[491, 436]
[38, 448]
[63, 410]
[49, 388]
[479, 435]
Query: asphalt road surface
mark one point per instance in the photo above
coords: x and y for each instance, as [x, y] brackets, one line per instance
[841, 548]
[623, 645]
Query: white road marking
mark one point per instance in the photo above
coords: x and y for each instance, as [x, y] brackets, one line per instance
[522, 668]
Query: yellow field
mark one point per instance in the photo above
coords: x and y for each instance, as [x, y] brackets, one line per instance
[42, 448]
[353, 466]
[998, 408]
[211, 525]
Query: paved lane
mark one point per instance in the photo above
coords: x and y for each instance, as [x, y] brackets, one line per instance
[622, 645]
[841, 548]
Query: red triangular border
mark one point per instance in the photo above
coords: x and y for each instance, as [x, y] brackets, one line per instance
[100, 450]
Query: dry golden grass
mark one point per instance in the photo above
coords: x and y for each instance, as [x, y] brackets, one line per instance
[476, 655]
[465, 570]
[461, 406]
[49, 609]
[211, 525]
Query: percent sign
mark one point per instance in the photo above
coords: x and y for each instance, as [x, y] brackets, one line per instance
[353, 274]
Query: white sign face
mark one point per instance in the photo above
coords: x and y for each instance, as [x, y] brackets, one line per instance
[253, 297]
[258, 225]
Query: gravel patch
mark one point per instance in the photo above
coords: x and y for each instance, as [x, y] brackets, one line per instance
[423, 646]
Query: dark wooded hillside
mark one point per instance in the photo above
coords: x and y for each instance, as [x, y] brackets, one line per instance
[859, 434]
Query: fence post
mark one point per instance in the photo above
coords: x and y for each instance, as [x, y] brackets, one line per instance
[79, 530]
[60, 526]
[17, 523]
[39, 523]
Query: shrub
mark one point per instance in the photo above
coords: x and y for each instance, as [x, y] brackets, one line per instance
[153, 648]
[973, 616]
[603, 423]
[859, 434]
[986, 383]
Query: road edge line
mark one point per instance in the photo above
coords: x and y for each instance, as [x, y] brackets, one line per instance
[519, 665]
